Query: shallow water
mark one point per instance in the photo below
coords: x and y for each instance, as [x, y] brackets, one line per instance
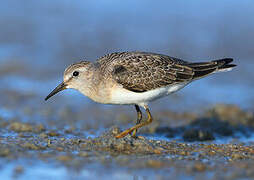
[39, 39]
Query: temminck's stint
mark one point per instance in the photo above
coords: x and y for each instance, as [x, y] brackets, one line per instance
[135, 78]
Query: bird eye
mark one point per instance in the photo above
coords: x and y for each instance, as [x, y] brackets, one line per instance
[75, 73]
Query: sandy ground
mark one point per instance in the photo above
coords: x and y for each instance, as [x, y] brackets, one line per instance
[215, 145]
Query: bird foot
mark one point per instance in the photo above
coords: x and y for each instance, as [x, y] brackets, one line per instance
[125, 133]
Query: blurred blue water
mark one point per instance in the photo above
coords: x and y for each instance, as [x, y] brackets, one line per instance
[45, 37]
[38, 40]
[41, 170]
[62, 31]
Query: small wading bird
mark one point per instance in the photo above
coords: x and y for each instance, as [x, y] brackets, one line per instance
[135, 78]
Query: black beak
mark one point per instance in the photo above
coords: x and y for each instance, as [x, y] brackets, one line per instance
[59, 88]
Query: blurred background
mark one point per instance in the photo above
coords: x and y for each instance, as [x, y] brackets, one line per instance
[39, 39]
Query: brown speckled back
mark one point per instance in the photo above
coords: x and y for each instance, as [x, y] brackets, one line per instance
[143, 71]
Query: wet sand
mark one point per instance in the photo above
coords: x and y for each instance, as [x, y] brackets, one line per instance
[214, 145]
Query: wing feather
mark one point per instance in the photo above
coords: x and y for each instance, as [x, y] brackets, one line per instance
[140, 72]
[143, 71]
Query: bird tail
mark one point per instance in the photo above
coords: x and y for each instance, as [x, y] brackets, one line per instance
[203, 69]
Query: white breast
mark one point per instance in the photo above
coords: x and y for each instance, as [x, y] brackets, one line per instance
[123, 96]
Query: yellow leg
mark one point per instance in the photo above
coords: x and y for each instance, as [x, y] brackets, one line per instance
[137, 126]
[139, 114]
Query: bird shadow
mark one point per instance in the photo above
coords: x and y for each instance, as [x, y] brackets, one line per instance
[206, 129]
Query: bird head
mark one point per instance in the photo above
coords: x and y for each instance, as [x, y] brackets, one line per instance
[75, 77]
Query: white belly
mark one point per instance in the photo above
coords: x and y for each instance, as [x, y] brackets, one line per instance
[124, 96]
